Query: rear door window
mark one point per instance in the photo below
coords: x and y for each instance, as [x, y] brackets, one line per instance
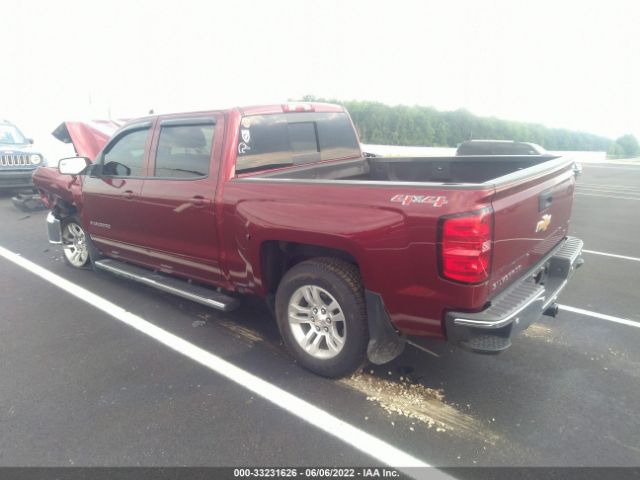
[272, 141]
[184, 151]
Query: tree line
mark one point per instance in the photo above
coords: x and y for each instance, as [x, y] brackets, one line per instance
[378, 123]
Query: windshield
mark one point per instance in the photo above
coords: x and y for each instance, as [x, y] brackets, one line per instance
[11, 135]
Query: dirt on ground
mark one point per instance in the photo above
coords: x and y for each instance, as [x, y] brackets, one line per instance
[418, 402]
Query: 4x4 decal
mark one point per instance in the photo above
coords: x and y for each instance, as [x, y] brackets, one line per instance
[433, 200]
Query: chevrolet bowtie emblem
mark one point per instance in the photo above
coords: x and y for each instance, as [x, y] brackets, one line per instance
[543, 224]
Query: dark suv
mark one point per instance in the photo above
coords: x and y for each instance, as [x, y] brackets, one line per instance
[507, 147]
[18, 159]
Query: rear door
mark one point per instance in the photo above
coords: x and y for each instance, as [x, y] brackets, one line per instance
[531, 216]
[110, 205]
[177, 198]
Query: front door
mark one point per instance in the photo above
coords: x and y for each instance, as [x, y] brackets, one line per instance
[111, 193]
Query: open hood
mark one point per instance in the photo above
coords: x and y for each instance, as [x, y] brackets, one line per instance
[88, 137]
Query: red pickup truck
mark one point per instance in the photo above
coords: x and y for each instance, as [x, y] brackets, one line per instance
[355, 254]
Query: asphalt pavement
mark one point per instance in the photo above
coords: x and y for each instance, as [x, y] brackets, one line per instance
[78, 387]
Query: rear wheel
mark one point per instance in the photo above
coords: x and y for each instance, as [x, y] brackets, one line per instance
[74, 243]
[322, 316]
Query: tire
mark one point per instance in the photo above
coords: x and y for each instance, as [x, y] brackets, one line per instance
[321, 314]
[75, 247]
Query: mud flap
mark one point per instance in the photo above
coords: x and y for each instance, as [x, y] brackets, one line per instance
[385, 343]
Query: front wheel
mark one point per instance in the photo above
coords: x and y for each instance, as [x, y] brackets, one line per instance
[322, 317]
[74, 243]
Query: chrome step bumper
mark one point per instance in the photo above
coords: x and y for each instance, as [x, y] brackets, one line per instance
[513, 310]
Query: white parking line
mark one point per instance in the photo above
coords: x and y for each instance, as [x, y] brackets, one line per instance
[608, 191]
[601, 316]
[607, 196]
[604, 190]
[623, 257]
[358, 439]
[607, 186]
[617, 166]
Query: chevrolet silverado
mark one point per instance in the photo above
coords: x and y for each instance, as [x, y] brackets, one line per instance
[354, 254]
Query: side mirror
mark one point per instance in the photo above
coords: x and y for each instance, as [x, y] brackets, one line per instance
[73, 165]
[29, 141]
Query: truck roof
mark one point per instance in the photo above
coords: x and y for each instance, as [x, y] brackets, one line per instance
[290, 107]
[270, 109]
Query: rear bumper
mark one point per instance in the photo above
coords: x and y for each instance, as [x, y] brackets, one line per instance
[522, 304]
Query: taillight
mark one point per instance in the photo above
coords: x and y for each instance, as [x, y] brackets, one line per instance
[465, 246]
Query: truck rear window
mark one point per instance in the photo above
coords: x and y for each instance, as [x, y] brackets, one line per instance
[272, 141]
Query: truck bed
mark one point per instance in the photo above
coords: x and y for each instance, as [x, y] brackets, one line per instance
[474, 169]
[530, 198]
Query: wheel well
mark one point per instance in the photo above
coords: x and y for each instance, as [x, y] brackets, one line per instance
[61, 208]
[278, 257]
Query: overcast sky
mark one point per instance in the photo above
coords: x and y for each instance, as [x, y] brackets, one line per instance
[573, 64]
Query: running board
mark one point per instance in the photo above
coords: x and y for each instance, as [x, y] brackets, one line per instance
[176, 286]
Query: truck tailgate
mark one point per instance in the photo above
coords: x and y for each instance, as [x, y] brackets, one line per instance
[531, 216]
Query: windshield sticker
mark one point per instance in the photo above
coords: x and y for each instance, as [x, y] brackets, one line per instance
[433, 200]
[243, 148]
[246, 123]
[246, 135]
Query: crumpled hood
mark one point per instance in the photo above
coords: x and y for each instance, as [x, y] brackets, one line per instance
[89, 137]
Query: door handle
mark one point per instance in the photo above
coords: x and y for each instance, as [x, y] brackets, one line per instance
[198, 201]
[544, 200]
[128, 194]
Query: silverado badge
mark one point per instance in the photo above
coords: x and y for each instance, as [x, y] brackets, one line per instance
[543, 224]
